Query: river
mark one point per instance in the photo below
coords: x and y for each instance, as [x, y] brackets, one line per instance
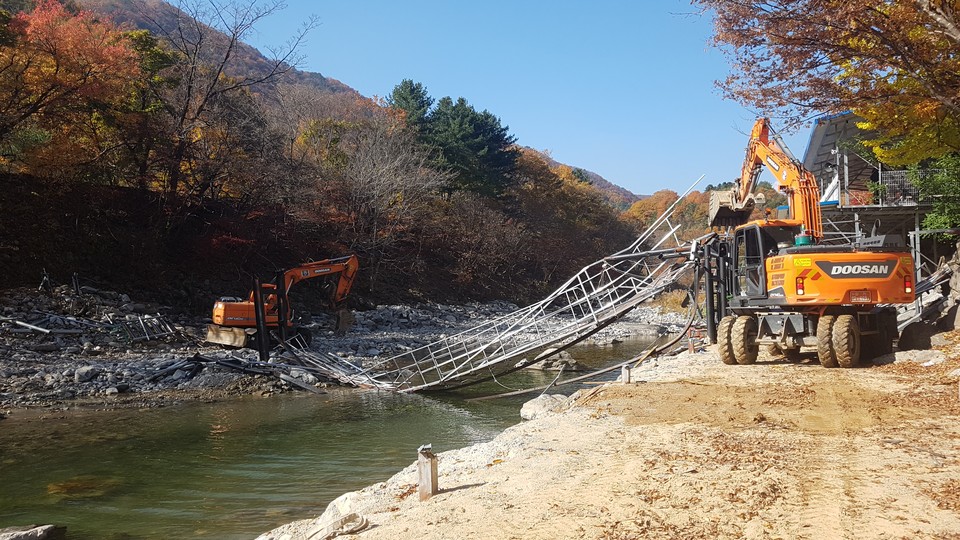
[237, 468]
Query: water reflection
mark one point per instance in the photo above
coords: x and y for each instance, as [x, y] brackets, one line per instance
[235, 469]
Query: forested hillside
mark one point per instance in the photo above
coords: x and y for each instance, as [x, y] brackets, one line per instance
[169, 158]
[617, 196]
[691, 213]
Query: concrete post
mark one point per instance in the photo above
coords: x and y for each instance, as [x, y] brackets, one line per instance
[427, 471]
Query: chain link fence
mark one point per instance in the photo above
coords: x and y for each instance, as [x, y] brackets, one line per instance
[894, 188]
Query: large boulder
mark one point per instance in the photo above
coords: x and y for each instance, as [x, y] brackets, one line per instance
[85, 373]
[542, 406]
[551, 360]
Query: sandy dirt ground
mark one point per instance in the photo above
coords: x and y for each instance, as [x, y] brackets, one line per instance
[773, 450]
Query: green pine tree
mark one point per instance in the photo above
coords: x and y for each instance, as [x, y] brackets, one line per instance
[474, 146]
[412, 98]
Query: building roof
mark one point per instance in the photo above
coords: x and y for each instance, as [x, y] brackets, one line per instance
[820, 158]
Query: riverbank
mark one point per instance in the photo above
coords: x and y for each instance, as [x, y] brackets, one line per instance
[62, 349]
[703, 450]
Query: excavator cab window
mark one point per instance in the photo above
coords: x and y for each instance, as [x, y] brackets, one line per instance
[751, 277]
[775, 238]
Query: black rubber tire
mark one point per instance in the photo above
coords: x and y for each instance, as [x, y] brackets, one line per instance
[724, 346]
[846, 341]
[743, 337]
[792, 355]
[825, 352]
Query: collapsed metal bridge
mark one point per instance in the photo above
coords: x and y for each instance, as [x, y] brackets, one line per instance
[596, 296]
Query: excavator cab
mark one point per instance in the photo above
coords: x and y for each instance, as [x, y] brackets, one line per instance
[753, 244]
[751, 278]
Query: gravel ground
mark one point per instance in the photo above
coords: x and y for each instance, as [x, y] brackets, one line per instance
[61, 349]
[701, 450]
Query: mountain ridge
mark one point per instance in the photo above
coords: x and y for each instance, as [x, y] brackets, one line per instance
[618, 196]
[155, 15]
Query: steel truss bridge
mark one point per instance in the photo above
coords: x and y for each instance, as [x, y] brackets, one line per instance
[595, 297]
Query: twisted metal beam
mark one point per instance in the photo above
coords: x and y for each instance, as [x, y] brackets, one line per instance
[599, 294]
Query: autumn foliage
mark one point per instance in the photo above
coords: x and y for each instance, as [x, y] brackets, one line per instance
[59, 71]
[165, 159]
[896, 64]
[690, 215]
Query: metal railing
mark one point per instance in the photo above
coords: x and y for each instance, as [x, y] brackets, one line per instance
[596, 296]
[893, 188]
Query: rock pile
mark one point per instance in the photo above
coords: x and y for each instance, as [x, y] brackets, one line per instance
[63, 344]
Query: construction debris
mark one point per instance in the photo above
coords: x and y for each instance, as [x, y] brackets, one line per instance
[600, 294]
[67, 343]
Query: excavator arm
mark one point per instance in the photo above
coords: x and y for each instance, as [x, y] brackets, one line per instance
[346, 267]
[767, 149]
[231, 317]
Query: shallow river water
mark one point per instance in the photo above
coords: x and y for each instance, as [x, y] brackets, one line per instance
[237, 468]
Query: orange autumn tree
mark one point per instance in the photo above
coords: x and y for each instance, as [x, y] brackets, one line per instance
[645, 211]
[567, 219]
[895, 64]
[58, 72]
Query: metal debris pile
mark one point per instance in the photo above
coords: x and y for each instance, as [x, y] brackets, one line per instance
[66, 342]
[85, 321]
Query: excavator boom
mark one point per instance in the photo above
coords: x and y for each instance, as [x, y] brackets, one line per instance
[345, 266]
[766, 149]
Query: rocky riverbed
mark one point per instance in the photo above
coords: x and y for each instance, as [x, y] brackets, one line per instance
[66, 347]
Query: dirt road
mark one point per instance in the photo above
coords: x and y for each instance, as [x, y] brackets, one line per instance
[774, 450]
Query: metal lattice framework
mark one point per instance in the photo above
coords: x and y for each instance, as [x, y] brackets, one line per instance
[596, 296]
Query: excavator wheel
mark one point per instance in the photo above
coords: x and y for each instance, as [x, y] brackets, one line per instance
[773, 351]
[743, 337]
[846, 341]
[825, 351]
[724, 346]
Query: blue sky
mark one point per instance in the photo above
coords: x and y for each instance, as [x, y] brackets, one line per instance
[622, 88]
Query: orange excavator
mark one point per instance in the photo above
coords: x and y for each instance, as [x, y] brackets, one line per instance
[235, 320]
[774, 282]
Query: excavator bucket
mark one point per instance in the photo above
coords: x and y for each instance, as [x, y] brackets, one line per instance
[725, 212]
[232, 337]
